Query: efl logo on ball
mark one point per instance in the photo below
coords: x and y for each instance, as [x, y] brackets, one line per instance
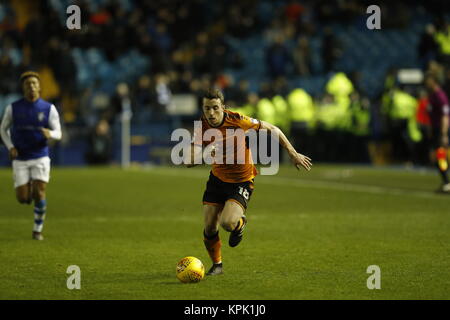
[190, 270]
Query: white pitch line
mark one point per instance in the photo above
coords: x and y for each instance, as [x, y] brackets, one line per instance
[308, 183]
[344, 186]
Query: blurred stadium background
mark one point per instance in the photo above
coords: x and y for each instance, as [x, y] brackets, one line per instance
[311, 67]
[343, 93]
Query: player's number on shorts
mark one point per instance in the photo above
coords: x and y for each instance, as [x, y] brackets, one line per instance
[243, 192]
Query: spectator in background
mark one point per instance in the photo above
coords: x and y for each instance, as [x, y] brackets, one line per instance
[8, 25]
[241, 20]
[102, 17]
[325, 131]
[185, 43]
[400, 108]
[330, 50]
[62, 64]
[293, 11]
[280, 86]
[266, 90]
[217, 57]
[184, 82]
[181, 59]
[114, 41]
[157, 44]
[356, 79]
[226, 84]
[120, 101]
[161, 37]
[274, 31]
[99, 144]
[302, 57]
[427, 49]
[195, 88]
[395, 15]
[442, 38]
[143, 94]
[327, 11]
[359, 129]
[241, 93]
[200, 63]
[34, 37]
[236, 60]
[446, 82]
[185, 28]
[163, 96]
[437, 70]
[277, 57]
[8, 72]
[53, 25]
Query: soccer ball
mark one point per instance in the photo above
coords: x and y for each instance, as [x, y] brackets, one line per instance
[190, 270]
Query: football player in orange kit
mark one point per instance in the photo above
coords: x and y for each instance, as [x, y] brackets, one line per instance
[230, 185]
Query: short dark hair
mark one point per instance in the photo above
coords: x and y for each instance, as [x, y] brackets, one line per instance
[29, 74]
[214, 94]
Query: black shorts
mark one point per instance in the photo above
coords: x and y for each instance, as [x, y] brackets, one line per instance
[218, 192]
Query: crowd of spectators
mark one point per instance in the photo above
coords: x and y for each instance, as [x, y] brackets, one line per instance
[186, 42]
[410, 143]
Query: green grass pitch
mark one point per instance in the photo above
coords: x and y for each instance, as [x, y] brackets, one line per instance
[310, 236]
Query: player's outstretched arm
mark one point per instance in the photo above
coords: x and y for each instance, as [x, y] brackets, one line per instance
[296, 158]
[189, 159]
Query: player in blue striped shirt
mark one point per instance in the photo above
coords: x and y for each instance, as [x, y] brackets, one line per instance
[26, 127]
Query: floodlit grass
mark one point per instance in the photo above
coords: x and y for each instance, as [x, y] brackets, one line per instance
[310, 236]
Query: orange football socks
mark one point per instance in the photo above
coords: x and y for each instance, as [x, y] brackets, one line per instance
[213, 245]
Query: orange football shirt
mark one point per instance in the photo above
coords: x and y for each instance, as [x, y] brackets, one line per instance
[242, 169]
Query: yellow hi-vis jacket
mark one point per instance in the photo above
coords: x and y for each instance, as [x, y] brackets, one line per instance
[282, 113]
[443, 39]
[302, 106]
[339, 85]
[265, 111]
[404, 106]
[361, 120]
